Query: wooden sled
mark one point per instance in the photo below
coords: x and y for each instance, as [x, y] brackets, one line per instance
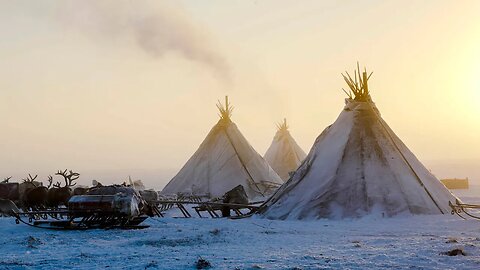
[464, 210]
[212, 208]
[68, 219]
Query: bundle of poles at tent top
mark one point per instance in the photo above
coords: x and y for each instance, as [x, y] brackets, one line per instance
[358, 88]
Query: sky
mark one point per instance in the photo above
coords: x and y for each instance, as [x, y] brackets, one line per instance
[118, 88]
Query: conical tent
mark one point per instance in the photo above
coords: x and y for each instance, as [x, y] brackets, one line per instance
[358, 166]
[284, 155]
[223, 161]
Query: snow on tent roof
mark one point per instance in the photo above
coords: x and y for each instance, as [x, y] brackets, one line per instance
[223, 161]
[284, 155]
[358, 166]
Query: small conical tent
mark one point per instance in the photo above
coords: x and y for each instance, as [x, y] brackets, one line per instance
[358, 166]
[284, 155]
[223, 161]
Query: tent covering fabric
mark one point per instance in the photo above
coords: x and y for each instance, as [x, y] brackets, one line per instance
[284, 155]
[223, 161]
[358, 166]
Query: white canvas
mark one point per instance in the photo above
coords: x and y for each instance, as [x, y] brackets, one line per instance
[223, 161]
[358, 166]
[284, 155]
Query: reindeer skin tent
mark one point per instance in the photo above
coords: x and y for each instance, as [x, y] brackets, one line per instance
[223, 161]
[358, 166]
[284, 155]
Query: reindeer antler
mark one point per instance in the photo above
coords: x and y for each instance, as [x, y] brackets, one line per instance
[57, 185]
[69, 177]
[30, 179]
[50, 180]
[64, 174]
[6, 179]
[72, 176]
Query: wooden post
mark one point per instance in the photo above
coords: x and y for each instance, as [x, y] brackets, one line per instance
[365, 84]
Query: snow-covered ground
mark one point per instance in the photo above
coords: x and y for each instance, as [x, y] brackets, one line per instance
[177, 243]
[471, 195]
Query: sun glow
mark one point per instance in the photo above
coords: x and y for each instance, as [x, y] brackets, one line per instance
[473, 90]
[476, 96]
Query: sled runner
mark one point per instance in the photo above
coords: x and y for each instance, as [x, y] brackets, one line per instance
[461, 209]
[119, 211]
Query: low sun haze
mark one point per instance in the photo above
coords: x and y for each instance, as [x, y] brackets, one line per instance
[119, 88]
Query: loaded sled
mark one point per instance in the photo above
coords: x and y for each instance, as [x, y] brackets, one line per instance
[115, 210]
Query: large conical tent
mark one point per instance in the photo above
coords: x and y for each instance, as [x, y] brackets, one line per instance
[284, 155]
[358, 166]
[223, 161]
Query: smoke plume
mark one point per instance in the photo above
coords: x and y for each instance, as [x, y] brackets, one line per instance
[156, 28]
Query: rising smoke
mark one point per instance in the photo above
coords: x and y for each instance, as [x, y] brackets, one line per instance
[155, 27]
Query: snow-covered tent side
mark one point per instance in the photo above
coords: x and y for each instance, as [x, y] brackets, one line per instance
[223, 161]
[284, 155]
[358, 166]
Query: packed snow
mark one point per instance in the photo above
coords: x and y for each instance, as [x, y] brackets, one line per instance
[402, 242]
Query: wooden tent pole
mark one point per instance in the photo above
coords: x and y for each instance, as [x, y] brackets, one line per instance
[226, 103]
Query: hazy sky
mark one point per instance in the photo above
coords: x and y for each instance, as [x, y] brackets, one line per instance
[112, 88]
